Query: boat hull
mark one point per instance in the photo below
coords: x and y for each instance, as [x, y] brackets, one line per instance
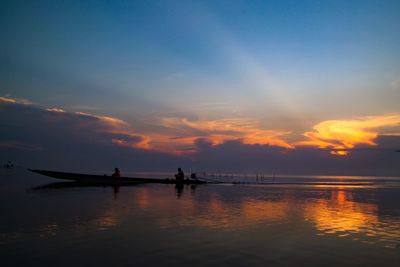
[99, 179]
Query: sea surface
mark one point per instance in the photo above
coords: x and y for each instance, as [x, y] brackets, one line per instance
[256, 221]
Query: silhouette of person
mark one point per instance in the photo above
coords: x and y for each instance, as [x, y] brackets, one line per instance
[116, 173]
[180, 176]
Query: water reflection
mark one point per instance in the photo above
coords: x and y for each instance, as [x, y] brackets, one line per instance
[336, 213]
[331, 211]
[342, 216]
[210, 224]
[48, 230]
[143, 198]
[179, 190]
[216, 213]
[109, 218]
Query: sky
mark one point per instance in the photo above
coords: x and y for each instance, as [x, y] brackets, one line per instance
[275, 86]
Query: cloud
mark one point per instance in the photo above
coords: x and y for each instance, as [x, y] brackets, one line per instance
[236, 156]
[95, 128]
[115, 130]
[388, 142]
[55, 110]
[178, 135]
[248, 131]
[15, 101]
[7, 100]
[342, 135]
[53, 138]
[56, 138]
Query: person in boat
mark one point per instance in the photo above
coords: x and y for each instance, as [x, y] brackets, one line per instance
[180, 176]
[116, 173]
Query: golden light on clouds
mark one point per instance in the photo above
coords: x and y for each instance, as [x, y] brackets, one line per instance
[7, 100]
[57, 110]
[15, 100]
[221, 130]
[179, 135]
[341, 135]
[339, 152]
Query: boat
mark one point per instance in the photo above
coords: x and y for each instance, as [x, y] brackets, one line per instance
[74, 184]
[110, 180]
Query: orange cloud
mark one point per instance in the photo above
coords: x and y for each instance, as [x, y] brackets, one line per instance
[59, 110]
[15, 100]
[121, 127]
[219, 131]
[7, 100]
[177, 135]
[342, 135]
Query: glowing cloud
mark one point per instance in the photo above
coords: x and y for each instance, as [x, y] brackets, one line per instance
[7, 100]
[59, 110]
[180, 135]
[128, 137]
[15, 100]
[219, 131]
[342, 135]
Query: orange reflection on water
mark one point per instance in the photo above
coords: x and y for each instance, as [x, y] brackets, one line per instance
[108, 219]
[341, 214]
[338, 214]
[49, 229]
[216, 213]
[256, 210]
[143, 199]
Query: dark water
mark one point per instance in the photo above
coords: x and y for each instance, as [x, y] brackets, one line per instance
[208, 225]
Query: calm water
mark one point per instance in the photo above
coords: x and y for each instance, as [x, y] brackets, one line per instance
[215, 225]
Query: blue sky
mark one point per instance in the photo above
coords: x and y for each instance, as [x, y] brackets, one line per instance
[288, 65]
[157, 49]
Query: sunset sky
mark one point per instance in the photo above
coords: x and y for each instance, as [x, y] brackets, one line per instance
[275, 86]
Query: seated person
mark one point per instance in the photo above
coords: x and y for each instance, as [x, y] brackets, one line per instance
[116, 173]
[180, 175]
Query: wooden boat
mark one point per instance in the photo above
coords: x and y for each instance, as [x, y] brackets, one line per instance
[109, 180]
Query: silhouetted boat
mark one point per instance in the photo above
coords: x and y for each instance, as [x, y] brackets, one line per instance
[73, 184]
[109, 180]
